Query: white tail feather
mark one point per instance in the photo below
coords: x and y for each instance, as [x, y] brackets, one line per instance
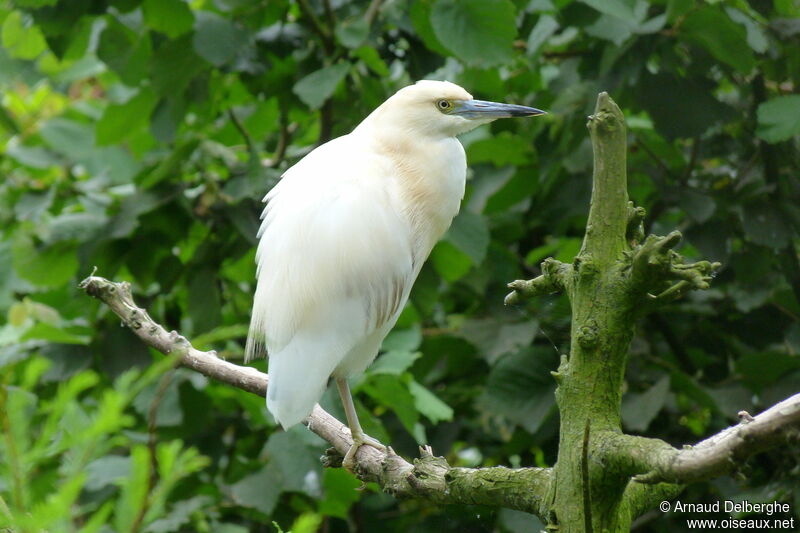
[298, 375]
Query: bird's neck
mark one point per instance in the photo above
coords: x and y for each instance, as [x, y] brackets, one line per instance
[429, 175]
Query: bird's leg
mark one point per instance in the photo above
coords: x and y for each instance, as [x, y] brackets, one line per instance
[359, 438]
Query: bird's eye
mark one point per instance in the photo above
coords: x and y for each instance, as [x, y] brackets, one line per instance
[444, 105]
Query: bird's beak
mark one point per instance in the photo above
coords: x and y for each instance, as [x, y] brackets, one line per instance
[480, 109]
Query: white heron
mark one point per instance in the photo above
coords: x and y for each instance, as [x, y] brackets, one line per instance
[344, 235]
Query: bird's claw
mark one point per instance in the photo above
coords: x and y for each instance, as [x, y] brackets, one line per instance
[359, 440]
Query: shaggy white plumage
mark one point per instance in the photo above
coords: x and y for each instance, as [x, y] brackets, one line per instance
[344, 235]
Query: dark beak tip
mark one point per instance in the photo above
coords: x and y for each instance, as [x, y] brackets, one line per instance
[534, 113]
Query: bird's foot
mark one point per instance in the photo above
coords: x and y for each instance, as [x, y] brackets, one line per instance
[359, 440]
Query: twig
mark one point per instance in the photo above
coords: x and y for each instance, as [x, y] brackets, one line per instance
[251, 147]
[553, 279]
[316, 25]
[152, 442]
[655, 158]
[329, 14]
[687, 173]
[372, 11]
[284, 137]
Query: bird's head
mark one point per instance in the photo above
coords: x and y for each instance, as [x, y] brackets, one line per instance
[443, 109]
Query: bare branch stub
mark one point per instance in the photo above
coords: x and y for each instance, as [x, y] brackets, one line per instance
[554, 278]
[659, 272]
[634, 232]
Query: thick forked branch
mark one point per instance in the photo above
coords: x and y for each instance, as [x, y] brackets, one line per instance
[429, 477]
[723, 452]
[652, 461]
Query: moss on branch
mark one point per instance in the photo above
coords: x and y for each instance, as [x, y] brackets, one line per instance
[555, 278]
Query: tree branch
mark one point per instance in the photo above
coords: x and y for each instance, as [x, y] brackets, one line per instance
[654, 461]
[429, 477]
[608, 212]
[641, 498]
[372, 11]
[554, 278]
[654, 264]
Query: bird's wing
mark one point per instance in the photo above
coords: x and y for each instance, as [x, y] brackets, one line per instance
[334, 259]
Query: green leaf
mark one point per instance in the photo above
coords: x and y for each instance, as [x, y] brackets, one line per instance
[21, 38]
[294, 453]
[259, 490]
[621, 9]
[469, 232]
[50, 333]
[390, 391]
[611, 29]
[222, 333]
[68, 137]
[352, 32]
[698, 205]
[168, 409]
[638, 410]
[35, 3]
[47, 266]
[204, 300]
[372, 59]
[450, 262]
[180, 514]
[340, 490]
[32, 156]
[75, 226]
[217, 39]
[320, 85]
[119, 121]
[501, 150]
[756, 37]
[420, 15]
[779, 118]
[545, 27]
[495, 337]
[107, 470]
[170, 17]
[307, 522]
[681, 107]
[394, 362]
[133, 495]
[124, 51]
[762, 369]
[170, 165]
[710, 28]
[174, 65]
[518, 189]
[429, 404]
[406, 340]
[520, 387]
[479, 32]
[763, 224]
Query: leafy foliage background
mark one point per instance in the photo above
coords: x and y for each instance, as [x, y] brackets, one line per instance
[139, 136]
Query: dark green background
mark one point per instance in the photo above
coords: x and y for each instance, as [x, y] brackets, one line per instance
[139, 137]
